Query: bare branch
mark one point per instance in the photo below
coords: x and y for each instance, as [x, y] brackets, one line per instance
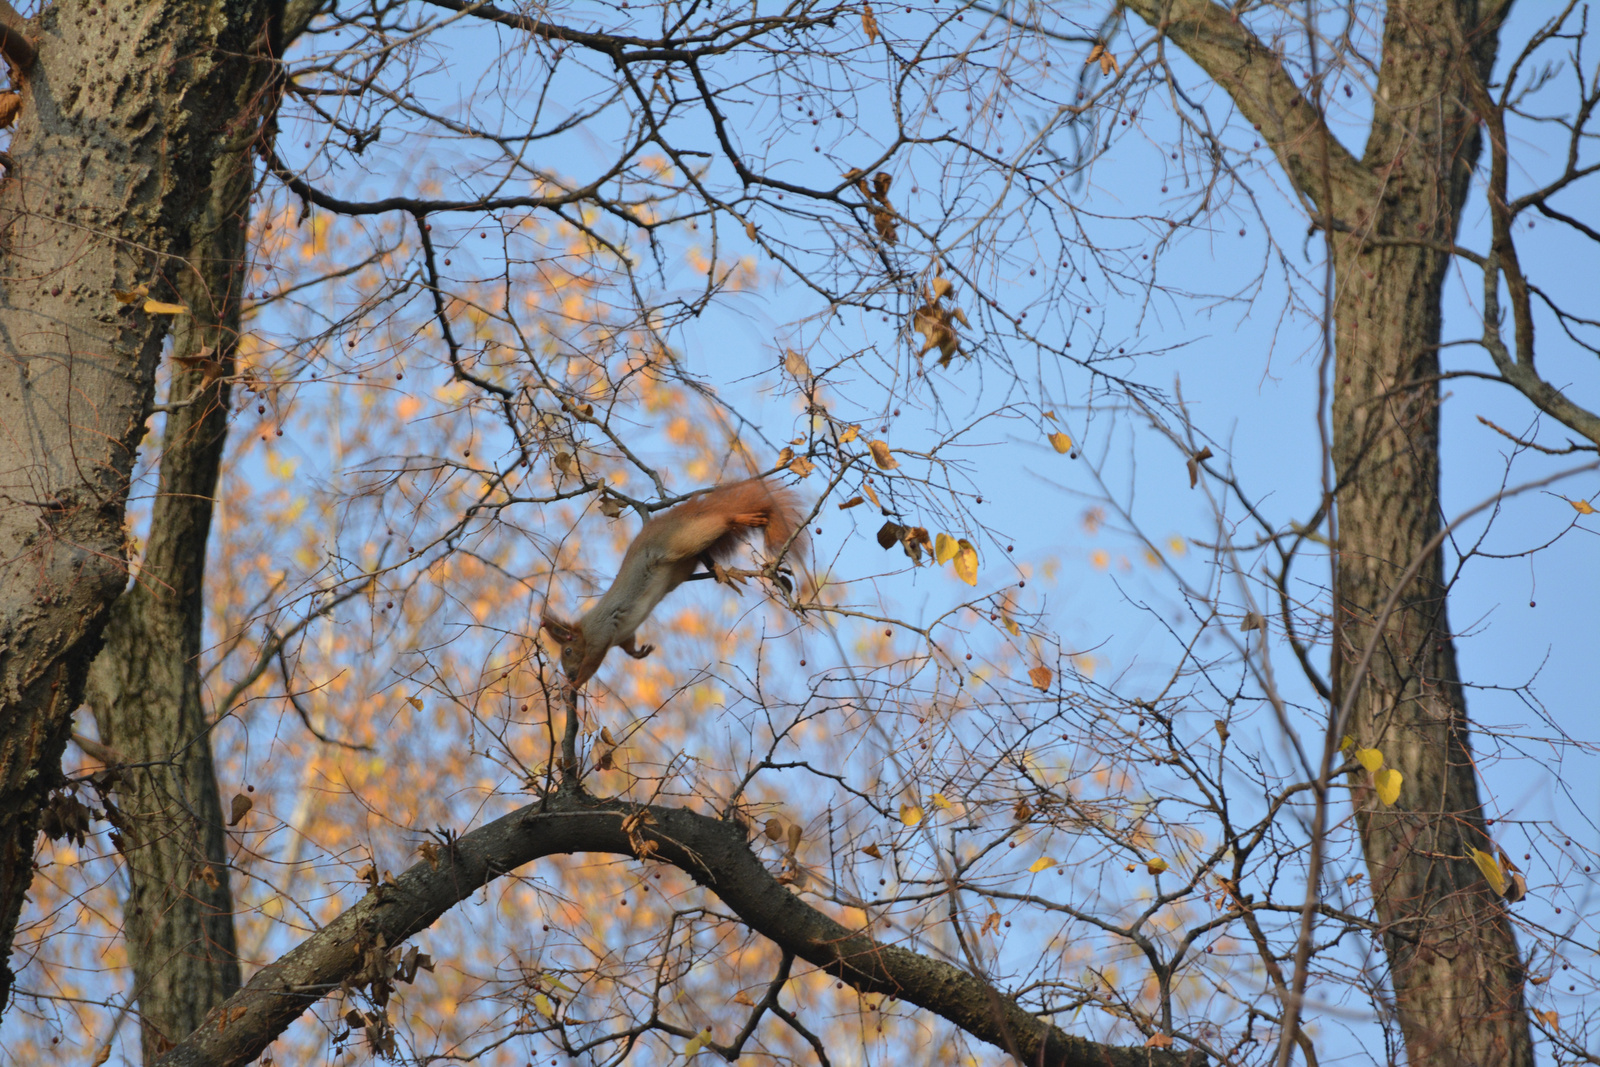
[1254, 76]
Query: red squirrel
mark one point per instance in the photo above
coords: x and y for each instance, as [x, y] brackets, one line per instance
[663, 555]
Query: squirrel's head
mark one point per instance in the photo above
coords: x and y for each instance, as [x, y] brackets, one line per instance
[573, 646]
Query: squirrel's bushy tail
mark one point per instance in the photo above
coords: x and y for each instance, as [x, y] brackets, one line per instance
[741, 506]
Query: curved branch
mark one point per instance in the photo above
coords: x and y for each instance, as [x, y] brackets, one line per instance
[714, 852]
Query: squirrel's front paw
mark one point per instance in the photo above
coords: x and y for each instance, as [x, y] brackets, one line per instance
[640, 653]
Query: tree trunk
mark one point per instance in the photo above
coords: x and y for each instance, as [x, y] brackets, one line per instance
[144, 687]
[124, 115]
[1454, 964]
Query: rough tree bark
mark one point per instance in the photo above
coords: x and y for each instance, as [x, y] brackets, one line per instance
[1454, 964]
[125, 111]
[144, 687]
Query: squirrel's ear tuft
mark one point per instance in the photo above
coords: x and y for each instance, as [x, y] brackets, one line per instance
[561, 631]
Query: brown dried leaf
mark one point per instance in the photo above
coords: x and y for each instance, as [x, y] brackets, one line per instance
[869, 23]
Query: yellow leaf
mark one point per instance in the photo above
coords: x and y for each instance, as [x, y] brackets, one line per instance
[696, 1043]
[130, 295]
[1040, 677]
[1583, 507]
[1347, 743]
[161, 307]
[869, 23]
[1491, 871]
[852, 502]
[1061, 442]
[1370, 758]
[282, 466]
[1155, 864]
[866, 487]
[1011, 625]
[940, 802]
[543, 1005]
[966, 563]
[1552, 1019]
[1387, 783]
[785, 456]
[1100, 559]
[881, 456]
[794, 362]
[910, 814]
[750, 229]
[873, 851]
[849, 434]
[415, 702]
[945, 548]
[1041, 864]
[802, 466]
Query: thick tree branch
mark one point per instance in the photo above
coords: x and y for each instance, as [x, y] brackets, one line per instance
[713, 851]
[14, 44]
[1265, 94]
